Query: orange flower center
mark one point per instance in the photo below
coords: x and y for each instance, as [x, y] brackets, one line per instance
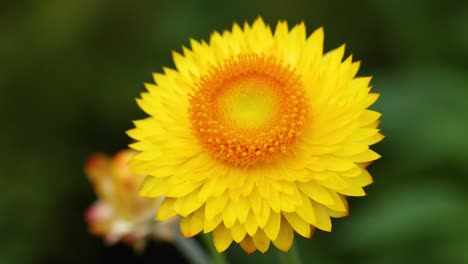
[249, 110]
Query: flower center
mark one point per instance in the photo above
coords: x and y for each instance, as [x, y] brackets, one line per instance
[247, 102]
[249, 110]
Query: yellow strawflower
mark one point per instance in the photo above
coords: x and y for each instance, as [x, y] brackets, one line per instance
[256, 135]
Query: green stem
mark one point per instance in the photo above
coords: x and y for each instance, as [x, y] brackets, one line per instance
[292, 257]
[216, 257]
[191, 249]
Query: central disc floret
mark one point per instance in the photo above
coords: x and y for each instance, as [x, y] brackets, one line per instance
[249, 110]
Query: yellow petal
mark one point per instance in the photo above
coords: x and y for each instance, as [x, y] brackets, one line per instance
[242, 208]
[229, 214]
[183, 65]
[215, 205]
[255, 202]
[285, 236]
[181, 189]
[316, 192]
[251, 224]
[353, 191]
[212, 223]
[272, 227]
[368, 155]
[222, 238]
[299, 225]
[247, 245]
[339, 204]
[141, 145]
[314, 44]
[258, 37]
[370, 99]
[153, 187]
[337, 164]
[263, 187]
[360, 83]
[362, 180]
[364, 133]
[322, 218]
[296, 43]
[248, 186]
[238, 232]
[372, 139]
[192, 224]
[281, 33]
[213, 185]
[351, 149]
[166, 210]
[286, 204]
[336, 214]
[188, 204]
[356, 171]
[305, 211]
[261, 241]
[275, 202]
[263, 215]
[368, 116]
[334, 182]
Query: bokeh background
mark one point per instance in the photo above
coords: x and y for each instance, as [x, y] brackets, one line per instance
[70, 71]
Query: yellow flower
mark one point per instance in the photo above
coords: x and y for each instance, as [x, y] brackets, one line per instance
[120, 214]
[256, 135]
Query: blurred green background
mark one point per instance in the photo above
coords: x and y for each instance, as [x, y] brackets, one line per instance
[70, 71]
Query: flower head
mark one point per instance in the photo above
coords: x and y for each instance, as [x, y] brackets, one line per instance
[120, 214]
[256, 135]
